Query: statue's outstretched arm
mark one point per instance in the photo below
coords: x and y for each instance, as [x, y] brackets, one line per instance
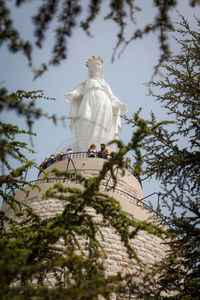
[75, 94]
[122, 106]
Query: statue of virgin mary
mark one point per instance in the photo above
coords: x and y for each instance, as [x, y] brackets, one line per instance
[95, 111]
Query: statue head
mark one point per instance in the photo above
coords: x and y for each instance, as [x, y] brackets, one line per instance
[95, 67]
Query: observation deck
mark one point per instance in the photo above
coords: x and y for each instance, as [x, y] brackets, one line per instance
[128, 190]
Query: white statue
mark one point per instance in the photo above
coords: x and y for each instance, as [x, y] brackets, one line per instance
[95, 111]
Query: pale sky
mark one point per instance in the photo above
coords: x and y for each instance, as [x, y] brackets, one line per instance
[125, 76]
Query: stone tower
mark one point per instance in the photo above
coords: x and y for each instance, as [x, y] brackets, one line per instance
[128, 192]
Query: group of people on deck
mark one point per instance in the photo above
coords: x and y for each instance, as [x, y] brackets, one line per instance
[103, 153]
[55, 158]
[92, 152]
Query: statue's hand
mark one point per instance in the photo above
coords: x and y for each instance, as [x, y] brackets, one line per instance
[124, 108]
[71, 96]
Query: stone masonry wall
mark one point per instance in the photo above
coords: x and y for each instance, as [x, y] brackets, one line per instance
[150, 248]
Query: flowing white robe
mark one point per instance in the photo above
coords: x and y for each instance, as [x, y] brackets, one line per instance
[94, 113]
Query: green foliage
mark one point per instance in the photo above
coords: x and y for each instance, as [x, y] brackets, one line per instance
[10, 35]
[172, 156]
[12, 151]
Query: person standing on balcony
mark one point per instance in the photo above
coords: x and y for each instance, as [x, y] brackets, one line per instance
[92, 152]
[103, 153]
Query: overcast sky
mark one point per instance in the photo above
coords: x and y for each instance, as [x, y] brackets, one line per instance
[125, 76]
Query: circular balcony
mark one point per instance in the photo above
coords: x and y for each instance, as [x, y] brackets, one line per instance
[69, 156]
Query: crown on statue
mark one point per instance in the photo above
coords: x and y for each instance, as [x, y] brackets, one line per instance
[94, 58]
